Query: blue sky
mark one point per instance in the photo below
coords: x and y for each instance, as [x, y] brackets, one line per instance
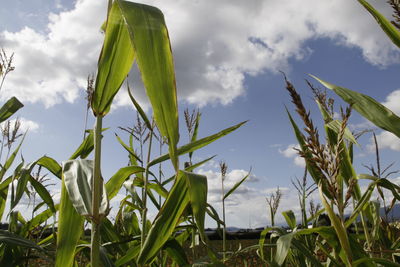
[227, 56]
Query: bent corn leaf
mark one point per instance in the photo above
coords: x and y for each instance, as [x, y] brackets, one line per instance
[188, 188]
[368, 107]
[78, 176]
[9, 108]
[149, 36]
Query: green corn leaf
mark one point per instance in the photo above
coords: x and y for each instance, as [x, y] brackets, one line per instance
[236, 186]
[339, 228]
[78, 176]
[140, 110]
[282, 247]
[367, 107]
[43, 193]
[115, 183]
[189, 169]
[186, 189]
[11, 158]
[290, 218]
[304, 250]
[361, 204]
[11, 239]
[9, 108]
[176, 252]
[37, 220]
[86, 147]
[127, 148]
[151, 43]
[51, 165]
[70, 223]
[336, 125]
[197, 144]
[130, 255]
[198, 199]
[3, 194]
[21, 186]
[115, 62]
[374, 261]
[385, 24]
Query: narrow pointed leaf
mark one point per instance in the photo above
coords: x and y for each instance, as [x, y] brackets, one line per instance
[236, 186]
[9, 108]
[391, 31]
[368, 107]
[140, 110]
[128, 149]
[11, 239]
[197, 144]
[43, 193]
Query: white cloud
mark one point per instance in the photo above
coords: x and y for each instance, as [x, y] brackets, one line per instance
[392, 101]
[291, 152]
[215, 45]
[385, 140]
[248, 203]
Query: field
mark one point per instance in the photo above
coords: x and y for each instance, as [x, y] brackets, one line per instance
[344, 228]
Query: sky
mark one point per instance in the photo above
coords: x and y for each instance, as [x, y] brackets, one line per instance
[228, 56]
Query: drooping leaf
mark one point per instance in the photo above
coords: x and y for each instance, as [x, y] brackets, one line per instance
[78, 176]
[9, 108]
[187, 188]
[368, 107]
[282, 247]
[149, 36]
[43, 193]
[115, 183]
[176, 252]
[198, 198]
[12, 239]
[128, 149]
[70, 223]
[140, 110]
[290, 218]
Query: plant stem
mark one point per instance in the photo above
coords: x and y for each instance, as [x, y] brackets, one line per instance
[224, 228]
[96, 193]
[144, 196]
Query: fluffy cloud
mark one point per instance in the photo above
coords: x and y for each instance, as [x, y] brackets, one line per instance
[290, 152]
[392, 101]
[26, 125]
[248, 203]
[215, 45]
[385, 140]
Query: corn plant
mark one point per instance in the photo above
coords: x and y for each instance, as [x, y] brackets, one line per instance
[132, 32]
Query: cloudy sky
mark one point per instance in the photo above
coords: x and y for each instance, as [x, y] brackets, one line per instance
[228, 57]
